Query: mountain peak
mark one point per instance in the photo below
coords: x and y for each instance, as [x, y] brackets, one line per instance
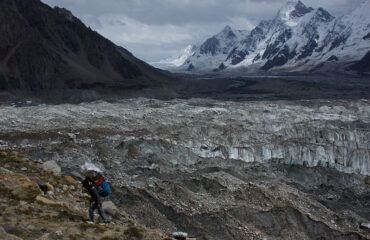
[227, 33]
[227, 28]
[293, 9]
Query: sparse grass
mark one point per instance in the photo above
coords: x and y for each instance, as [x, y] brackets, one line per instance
[134, 232]
[110, 238]
[95, 227]
[12, 202]
[76, 237]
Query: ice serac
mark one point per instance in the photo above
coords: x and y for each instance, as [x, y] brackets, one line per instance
[297, 38]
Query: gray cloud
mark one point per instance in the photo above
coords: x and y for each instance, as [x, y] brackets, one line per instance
[152, 29]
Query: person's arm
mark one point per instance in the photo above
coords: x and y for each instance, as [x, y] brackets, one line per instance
[96, 196]
[85, 183]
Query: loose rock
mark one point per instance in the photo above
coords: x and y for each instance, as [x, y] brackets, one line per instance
[52, 166]
[47, 201]
[6, 236]
[365, 225]
[71, 180]
[110, 208]
[3, 154]
[367, 180]
[5, 171]
[49, 186]
[42, 185]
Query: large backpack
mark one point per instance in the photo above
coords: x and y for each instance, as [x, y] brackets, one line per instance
[102, 185]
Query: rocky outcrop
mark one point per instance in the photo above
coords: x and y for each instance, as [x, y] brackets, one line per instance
[7, 236]
[52, 166]
[19, 186]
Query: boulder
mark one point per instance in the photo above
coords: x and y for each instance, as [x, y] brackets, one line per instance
[3, 154]
[365, 225]
[49, 202]
[6, 236]
[19, 186]
[46, 236]
[180, 235]
[70, 180]
[52, 166]
[110, 208]
[5, 171]
[72, 136]
[367, 180]
[49, 186]
[42, 184]
[10, 229]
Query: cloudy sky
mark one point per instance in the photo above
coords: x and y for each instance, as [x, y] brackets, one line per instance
[156, 29]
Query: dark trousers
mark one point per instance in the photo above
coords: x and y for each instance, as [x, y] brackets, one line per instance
[101, 212]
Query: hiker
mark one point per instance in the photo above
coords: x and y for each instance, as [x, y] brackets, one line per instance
[97, 188]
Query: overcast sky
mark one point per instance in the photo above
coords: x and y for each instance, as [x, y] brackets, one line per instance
[156, 29]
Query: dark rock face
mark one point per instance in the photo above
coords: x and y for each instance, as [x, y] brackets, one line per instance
[338, 41]
[367, 36]
[333, 58]
[279, 60]
[210, 46]
[308, 49]
[323, 15]
[237, 56]
[300, 10]
[363, 66]
[273, 49]
[191, 67]
[222, 66]
[42, 48]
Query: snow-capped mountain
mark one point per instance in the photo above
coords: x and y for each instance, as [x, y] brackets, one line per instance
[179, 60]
[215, 49]
[297, 38]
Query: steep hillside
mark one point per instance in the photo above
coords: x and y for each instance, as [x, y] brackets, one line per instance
[42, 49]
[37, 203]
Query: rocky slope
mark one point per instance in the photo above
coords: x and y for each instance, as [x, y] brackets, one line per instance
[37, 203]
[44, 49]
[298, 38]
[216, 169]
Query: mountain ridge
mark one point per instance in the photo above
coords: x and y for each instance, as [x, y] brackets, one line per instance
[44, 48]
[298, 38]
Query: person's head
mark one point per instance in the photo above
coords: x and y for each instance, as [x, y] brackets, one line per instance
[90, 173]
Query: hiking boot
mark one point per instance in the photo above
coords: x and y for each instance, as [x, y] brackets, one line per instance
[105, 222]
[90, 222]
